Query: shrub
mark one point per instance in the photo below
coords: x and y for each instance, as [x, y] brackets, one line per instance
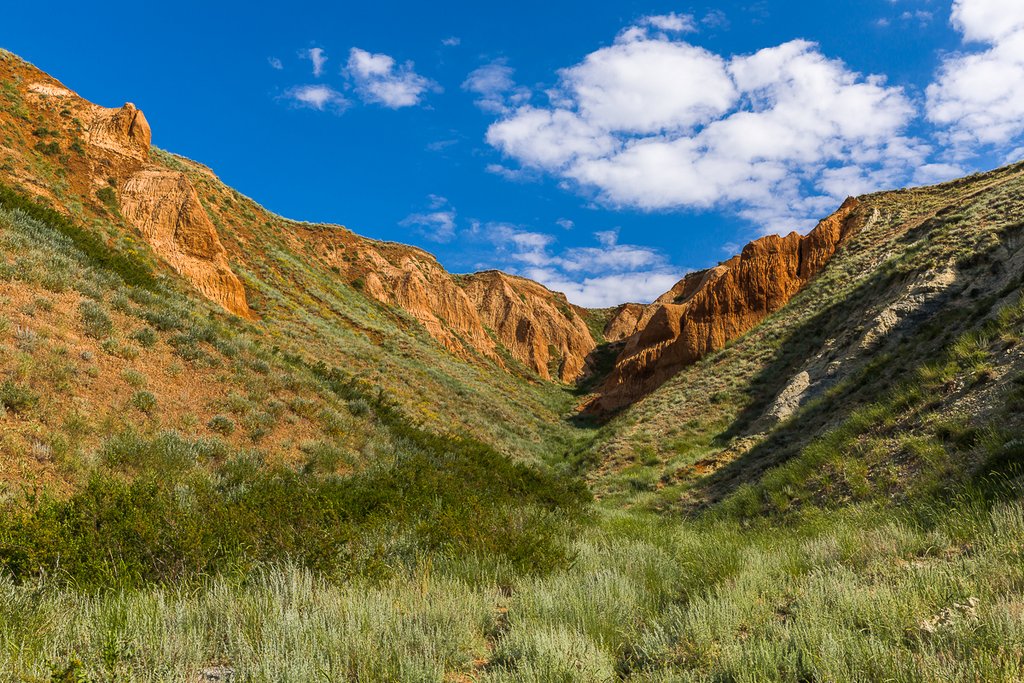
[143, 401]
[95, 320]
[358, 407]
[145, 336]
[222, 424]
[134, 378]
[16, 398]
[48, 148]
[127, 266]
[438, 497]
[108, 197]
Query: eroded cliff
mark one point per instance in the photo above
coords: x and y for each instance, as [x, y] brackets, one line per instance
[707, 309]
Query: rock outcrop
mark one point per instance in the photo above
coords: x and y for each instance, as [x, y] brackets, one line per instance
[471, 315]
[538, 327]
[408, 278]
[123, 131]
[164, 207]
[707, 309]
[623, 322]
[109, 148]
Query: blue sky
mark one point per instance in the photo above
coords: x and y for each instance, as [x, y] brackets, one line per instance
[602, 148]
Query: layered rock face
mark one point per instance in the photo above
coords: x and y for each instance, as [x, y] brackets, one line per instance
[472, 315]
[623, 322]
[123, 131]
[164, 207]
[536, 325]
[707, 309]
[161, 204]
[408, 278]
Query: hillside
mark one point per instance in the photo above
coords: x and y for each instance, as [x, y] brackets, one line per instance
[451, 351]
[239, 447]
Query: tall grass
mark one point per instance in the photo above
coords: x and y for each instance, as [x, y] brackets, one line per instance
[852, 596]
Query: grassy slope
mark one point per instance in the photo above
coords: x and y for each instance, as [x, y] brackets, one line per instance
[943, 254]
[305, 310]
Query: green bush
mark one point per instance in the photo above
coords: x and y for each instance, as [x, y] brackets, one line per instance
[143, 401]
[222, 424]
[95, 320]
[108, 197]
[145, 336]
[16, 398]
[48, 148]
[173, 523]
[127, 266]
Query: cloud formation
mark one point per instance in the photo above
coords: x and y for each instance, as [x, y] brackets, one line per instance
[318, 96]
[437, 223]
[593, 276]
[319, 58]
[657, 123]
[496, 91]
[978, 96]
[379, 79]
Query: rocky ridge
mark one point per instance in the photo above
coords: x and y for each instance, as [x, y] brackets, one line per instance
[707, 309]
[488, 316]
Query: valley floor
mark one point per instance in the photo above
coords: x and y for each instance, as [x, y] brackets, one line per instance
[861, 595]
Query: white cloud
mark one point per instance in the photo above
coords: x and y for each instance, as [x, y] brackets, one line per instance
[923, 17]
[978, 97]
[715, 18]
[496, 90]
[1014, 156]
[604, 291]
[675, 23]
[930, 174]
[565, 223]
[319, 97]
[380, 80]
[451, 41]
[780, 136]
[515, 175]
[598, 276]
[437, 223]
[318, 57]
[275, 63]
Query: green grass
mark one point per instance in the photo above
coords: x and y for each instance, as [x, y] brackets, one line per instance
[195, 509]
[851, 596]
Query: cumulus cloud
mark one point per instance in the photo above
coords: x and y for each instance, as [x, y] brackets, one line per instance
[379, 79]
[655, 123]
[319, 58]
[592, 276]
[496, 91]
[978, 96]
[437, 223]
[319, 97]
[275, 63]
[451, 41]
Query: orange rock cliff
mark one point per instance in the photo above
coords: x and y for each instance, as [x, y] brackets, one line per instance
[707, 309]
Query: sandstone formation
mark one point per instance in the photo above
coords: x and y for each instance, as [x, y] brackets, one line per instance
[536, 325]
[164, 207]
[410, 279]
[110, 148]
[623, 322]
[707, 309]
[471, 316]
[123, 131]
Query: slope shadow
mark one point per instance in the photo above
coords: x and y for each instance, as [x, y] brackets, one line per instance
[917, 339]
